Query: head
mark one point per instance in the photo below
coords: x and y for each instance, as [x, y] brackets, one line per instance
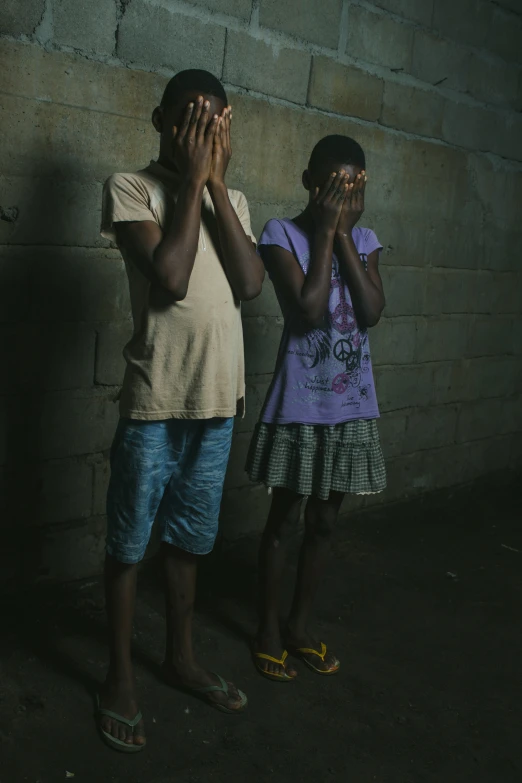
[181, 90]
[333, 153]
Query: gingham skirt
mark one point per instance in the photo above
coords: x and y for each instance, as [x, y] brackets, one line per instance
[314, 459]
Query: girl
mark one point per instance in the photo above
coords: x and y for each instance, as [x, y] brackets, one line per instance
[317, 436]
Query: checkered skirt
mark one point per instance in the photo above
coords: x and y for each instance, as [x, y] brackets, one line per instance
[315, 459]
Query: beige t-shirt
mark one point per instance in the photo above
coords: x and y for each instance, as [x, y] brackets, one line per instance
[185, 359]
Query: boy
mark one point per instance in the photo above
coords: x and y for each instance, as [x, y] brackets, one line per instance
[190, 258]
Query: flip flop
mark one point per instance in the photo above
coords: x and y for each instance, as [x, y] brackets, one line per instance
[300, 652]
[114, 742]
[222, 688]
[285, 677]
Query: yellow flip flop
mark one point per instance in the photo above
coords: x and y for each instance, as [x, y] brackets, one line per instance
[300, 652]
[269, 675]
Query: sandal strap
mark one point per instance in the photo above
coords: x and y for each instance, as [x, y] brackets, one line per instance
[310, 651]
[222, 688]
[114, 715]
[279, 661]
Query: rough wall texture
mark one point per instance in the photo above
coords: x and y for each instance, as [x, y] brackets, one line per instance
[433, 90]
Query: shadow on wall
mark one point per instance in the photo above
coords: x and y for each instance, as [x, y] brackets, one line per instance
[57, 421]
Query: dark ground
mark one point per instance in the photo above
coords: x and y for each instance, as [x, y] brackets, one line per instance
[423, 605]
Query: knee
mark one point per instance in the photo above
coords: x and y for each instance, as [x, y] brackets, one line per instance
[281, 525]
[321, 524]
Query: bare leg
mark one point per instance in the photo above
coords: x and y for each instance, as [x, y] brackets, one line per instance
[283, 517]
[180, 667]
[119, 694]
[320, 519]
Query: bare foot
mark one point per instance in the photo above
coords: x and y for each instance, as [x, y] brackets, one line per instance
[296, 641]
[119, 696]
[194, 677]
[273, 646]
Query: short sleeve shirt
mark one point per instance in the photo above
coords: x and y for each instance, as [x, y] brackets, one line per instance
[322, 376]
[185, 359]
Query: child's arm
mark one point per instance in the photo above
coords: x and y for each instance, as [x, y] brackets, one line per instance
[244, 268]
[365, 286]
[168, 257]
[307, 295]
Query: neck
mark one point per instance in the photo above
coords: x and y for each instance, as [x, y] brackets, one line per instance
[165, 161]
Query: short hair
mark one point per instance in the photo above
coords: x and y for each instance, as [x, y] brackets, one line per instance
[190, 81]
[337, 149]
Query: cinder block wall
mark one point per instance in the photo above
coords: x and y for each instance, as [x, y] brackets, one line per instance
[432, 89]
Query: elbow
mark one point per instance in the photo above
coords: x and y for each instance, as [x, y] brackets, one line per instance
[250, 292]
[177, 288]
[371, 320]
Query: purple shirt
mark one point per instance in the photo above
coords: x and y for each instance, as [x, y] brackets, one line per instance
[322, 376]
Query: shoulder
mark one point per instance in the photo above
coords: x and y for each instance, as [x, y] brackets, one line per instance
[274, 230]
[365, 240]
[138, 181]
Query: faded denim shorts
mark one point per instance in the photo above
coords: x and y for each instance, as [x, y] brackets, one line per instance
[171, 471]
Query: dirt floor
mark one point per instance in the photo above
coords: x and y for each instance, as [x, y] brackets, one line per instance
[423, 604]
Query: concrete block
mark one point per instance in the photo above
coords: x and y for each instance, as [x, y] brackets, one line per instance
[72, 284]
[344, 89]
[430, 428]
[456, 244]
[402, 387]
[517, 335]
[499, 188]
[492, 81]
[404, 290]
[318, 23]
[404, 240]
[155, 37]
[20, 17]
[490, 336]
[47, 356]
[72, 552]
[63, 142]
[256, 390]
[256, 65]
[102, 473]
[450, 291]
[442, 339]
[505, 34]
[511, 415]
[89, 26]
[508, 140]
[498, 292]
[479, 420]
[52, 211]
[392, 427]
[438, 61]
[265, 304]
[393, 341]
[239, 8]
[490, 377]
[236, 476]
[417, 10]
[74, 423]
[110, 364]
[14, 288]
[412, 109]
[66, 491]
[32, 72]
[262, 337]
[501, 251]
[448, 383]
[244, 511]
[376, 38]
[467, 21]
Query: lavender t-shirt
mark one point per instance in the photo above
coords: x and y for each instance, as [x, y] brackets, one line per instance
[322, 376]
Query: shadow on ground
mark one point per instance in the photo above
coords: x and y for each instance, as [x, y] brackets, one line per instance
[422, 603]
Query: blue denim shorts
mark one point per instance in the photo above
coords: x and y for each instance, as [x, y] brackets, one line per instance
[172, 471]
